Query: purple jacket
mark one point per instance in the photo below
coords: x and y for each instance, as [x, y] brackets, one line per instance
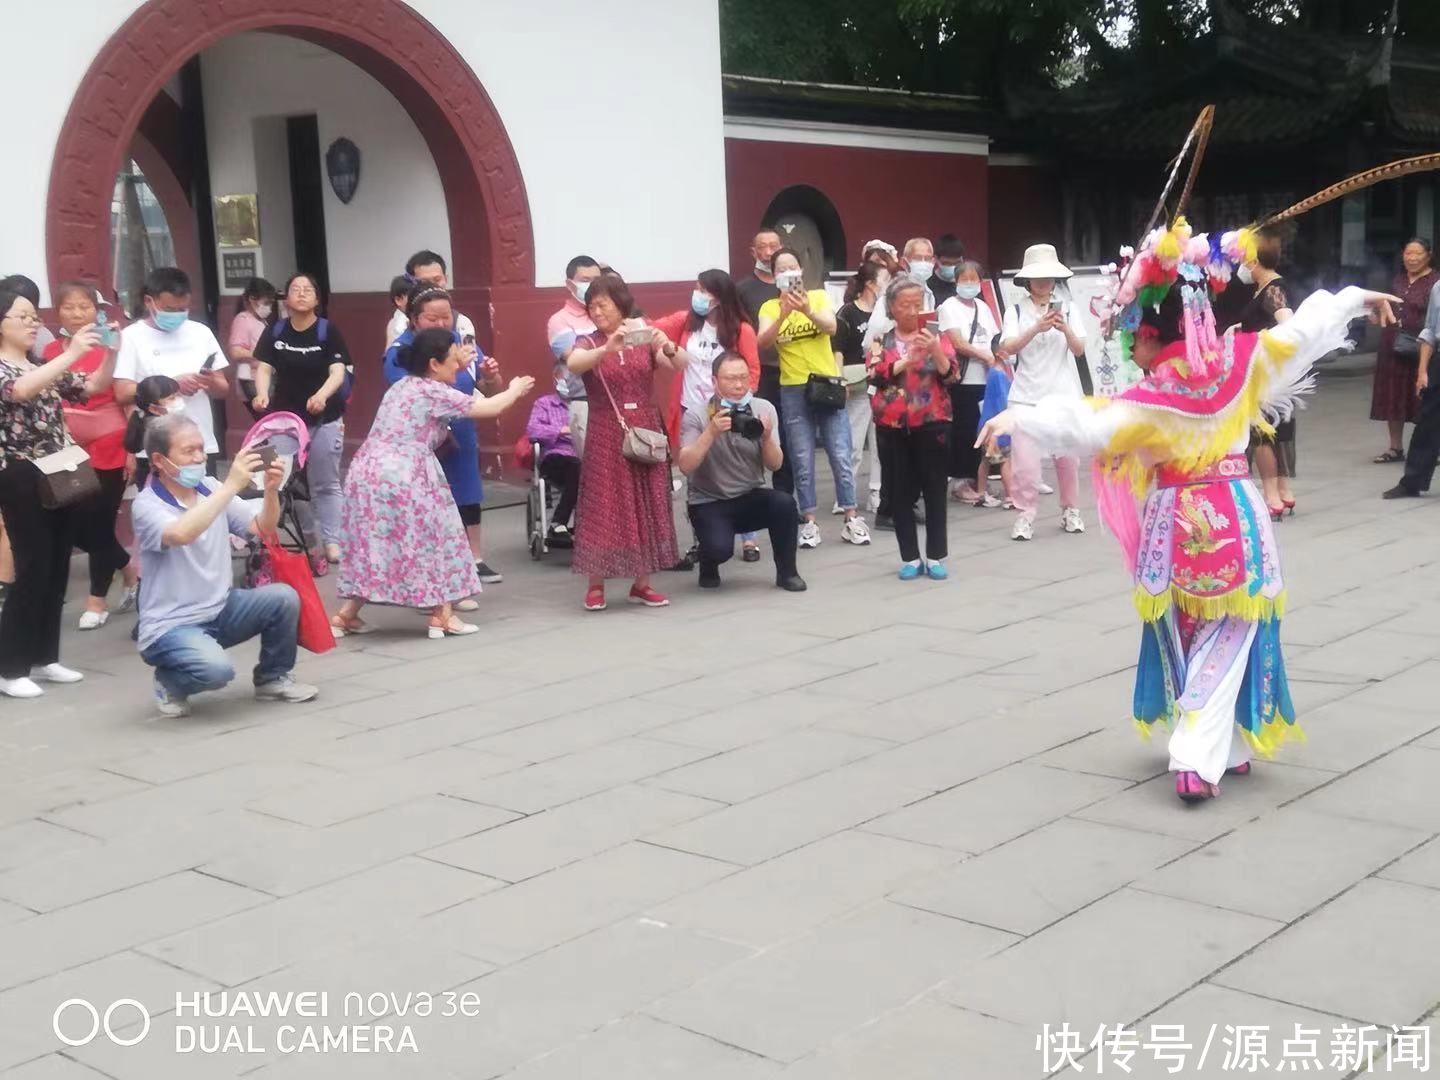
[548, 418]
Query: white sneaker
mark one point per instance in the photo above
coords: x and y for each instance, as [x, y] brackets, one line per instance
[855, 531]
[20, 688]
[809, 535]
[990, 502]
[286, 689]
[57, 673]
[1023, 530]
[965, 491]
[128, 598]
[1071, 521]
[837, 509]
[93, 620]
[171, 706]
[1045, 489]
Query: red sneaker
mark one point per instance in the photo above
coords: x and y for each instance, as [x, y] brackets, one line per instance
[595, 600]
[648, 596]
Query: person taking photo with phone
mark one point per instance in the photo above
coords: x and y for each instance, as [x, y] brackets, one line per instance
[1043, 334]
[191, 612]
[98, 426]
[168, 342]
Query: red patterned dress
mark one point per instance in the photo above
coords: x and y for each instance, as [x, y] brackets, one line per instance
[624, 527]
[1394, 397]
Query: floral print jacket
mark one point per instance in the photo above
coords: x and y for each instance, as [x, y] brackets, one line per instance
[35, 428]
[914, 396]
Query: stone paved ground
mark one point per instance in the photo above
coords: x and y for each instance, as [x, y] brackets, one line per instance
[880, 830]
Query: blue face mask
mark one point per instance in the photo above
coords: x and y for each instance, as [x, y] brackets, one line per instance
[700, 304]
[170, 321]
[190, 476]
[726, 403]
[967, 291]
[946, 273]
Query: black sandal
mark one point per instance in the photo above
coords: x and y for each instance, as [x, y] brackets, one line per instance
[1390, 457]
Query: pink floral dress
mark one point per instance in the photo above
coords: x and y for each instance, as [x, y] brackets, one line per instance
[403, 539]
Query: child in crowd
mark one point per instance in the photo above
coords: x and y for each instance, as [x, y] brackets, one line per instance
[549, 426]
[400, 287]
[996, 400]
[155, 395]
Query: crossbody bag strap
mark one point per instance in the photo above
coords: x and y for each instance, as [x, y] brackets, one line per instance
[601, 376]
[974, 326]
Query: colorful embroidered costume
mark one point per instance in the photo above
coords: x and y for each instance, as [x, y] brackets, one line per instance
[1207, 574]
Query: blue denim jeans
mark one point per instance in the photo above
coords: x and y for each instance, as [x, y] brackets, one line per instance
[191, 659]
[801, 425]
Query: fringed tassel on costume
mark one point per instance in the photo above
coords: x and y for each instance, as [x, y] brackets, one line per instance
[1236, 604]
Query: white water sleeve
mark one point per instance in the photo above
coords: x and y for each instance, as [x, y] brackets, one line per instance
[1316, 329]
[1071, 427]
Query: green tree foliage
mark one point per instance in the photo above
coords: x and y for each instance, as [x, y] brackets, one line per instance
[979, 46]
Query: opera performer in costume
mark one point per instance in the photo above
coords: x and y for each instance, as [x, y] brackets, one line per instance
[1207, 573]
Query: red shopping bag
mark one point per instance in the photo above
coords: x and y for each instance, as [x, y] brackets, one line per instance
[292, 569]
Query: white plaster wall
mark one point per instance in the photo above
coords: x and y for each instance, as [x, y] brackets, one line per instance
[399, 206]
[630, 100]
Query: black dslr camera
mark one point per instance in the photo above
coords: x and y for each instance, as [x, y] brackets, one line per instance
[744, 422]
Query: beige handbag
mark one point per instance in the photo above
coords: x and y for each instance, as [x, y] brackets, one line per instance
[640, 445]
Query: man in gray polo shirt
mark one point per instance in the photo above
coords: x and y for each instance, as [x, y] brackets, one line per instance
[725, 448]
[189, 611]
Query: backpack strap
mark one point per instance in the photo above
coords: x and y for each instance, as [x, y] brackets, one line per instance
[322, 329]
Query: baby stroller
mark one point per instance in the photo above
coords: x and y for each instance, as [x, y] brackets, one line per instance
[288, 436]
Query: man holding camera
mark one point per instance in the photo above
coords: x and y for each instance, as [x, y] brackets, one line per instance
[189, 611]
[725, 448]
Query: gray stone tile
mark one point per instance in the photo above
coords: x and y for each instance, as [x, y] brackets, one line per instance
[155, 806]
[1043, 876]
[877, 682]
[574, 900]
[304, 860]
[26, 841]
[76, 935]
[1421, 867]
[792, 999]
[27, 1012]
[979, 814]
[53, 1067]
[642, 1046]
[1398, 789]
[1284, 864]
[1343, 735]
[797, 891]
[927, 1039]
[1099, 965]
[764, 766]
[928, 712]
[454, 770]
[579, 829]
[732, 725]
[271, 740]
[1369, 654]
[1321, 624]
[1113, 751]
[780, 821]
[30, 796]
[1209, 1016]
[340, 915]
[1370, 954]
[586, 772]
[1152, 806]
[577, 729]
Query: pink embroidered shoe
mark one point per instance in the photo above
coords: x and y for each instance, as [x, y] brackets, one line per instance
[1191, 788]
[1243, 769]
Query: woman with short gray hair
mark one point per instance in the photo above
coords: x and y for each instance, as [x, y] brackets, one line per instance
[911, 368]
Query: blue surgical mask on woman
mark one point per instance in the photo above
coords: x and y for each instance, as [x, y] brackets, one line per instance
[967, 290]
[700, 303]
[946, 273]
[170, 321]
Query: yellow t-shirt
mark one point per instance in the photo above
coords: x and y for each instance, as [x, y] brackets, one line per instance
[804, 350]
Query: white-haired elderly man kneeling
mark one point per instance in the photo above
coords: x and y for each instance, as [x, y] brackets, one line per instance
[190, 613]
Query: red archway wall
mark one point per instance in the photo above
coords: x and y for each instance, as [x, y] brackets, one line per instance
[490, 231]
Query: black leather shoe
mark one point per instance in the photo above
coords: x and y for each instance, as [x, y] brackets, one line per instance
[793, 583]
[750, 554]
[1400, 491]
[709, 576]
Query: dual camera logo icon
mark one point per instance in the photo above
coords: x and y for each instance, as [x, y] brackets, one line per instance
[99, 1021]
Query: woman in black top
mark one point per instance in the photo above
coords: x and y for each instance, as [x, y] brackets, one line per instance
[1272, 456]
[303, 365]
[861, 293]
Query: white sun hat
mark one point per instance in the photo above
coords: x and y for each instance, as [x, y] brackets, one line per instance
[1041, 262]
